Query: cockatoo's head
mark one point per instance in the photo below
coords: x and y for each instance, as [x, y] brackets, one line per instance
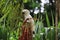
[25, 12]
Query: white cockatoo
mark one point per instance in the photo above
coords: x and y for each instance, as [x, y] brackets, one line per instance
[26, 14]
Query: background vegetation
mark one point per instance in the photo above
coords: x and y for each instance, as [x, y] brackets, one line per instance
[47, 22]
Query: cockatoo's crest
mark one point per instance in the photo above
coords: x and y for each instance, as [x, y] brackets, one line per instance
[26, 11]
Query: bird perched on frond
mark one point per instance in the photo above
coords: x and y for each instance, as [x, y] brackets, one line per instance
[28, 27]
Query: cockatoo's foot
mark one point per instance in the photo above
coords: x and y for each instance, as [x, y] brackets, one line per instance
[33, 33]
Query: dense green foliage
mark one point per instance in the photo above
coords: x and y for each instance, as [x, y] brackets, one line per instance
[11, 19]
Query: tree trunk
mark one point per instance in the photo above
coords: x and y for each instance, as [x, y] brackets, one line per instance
[56, 18]
[26, 34]
[59, 10]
